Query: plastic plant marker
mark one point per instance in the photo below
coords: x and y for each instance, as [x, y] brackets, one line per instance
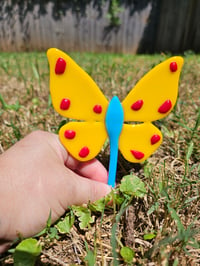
[75, 95]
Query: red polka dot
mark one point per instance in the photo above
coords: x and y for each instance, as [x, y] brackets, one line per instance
[65, 104]
[84, 152]
[70, 134]
[165, 107]
[97, 109]
[137, 154]
[173, 66]
[155, 139]
[137, 105]
[60, 66]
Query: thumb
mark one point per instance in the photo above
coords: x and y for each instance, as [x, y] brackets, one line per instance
[76, 190]
[91, 190]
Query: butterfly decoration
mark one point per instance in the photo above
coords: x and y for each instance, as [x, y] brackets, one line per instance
[75, 95]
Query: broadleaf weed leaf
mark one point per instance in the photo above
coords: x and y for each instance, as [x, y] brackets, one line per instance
[149, 236]
[26, 252]
[127, 254]
[64, 226]
[98, 205]
[133, 186]
[84, 216]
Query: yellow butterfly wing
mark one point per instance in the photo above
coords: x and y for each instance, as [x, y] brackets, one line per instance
[83, 140]
[74, 94]
[154, 96]
[138, 142]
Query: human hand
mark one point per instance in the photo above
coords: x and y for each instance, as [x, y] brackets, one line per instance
[38, 175]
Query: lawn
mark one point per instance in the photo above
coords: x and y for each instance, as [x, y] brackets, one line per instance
[159, 226]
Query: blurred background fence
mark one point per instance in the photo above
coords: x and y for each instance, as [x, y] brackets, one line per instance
[137, 26]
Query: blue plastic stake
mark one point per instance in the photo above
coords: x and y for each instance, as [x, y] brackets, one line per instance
[114, 123]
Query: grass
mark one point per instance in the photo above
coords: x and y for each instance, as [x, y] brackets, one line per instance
[159, 228]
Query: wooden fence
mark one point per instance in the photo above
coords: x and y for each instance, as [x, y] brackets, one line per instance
[129, 26]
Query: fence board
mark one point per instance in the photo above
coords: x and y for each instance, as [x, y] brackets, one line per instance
[146, 26]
